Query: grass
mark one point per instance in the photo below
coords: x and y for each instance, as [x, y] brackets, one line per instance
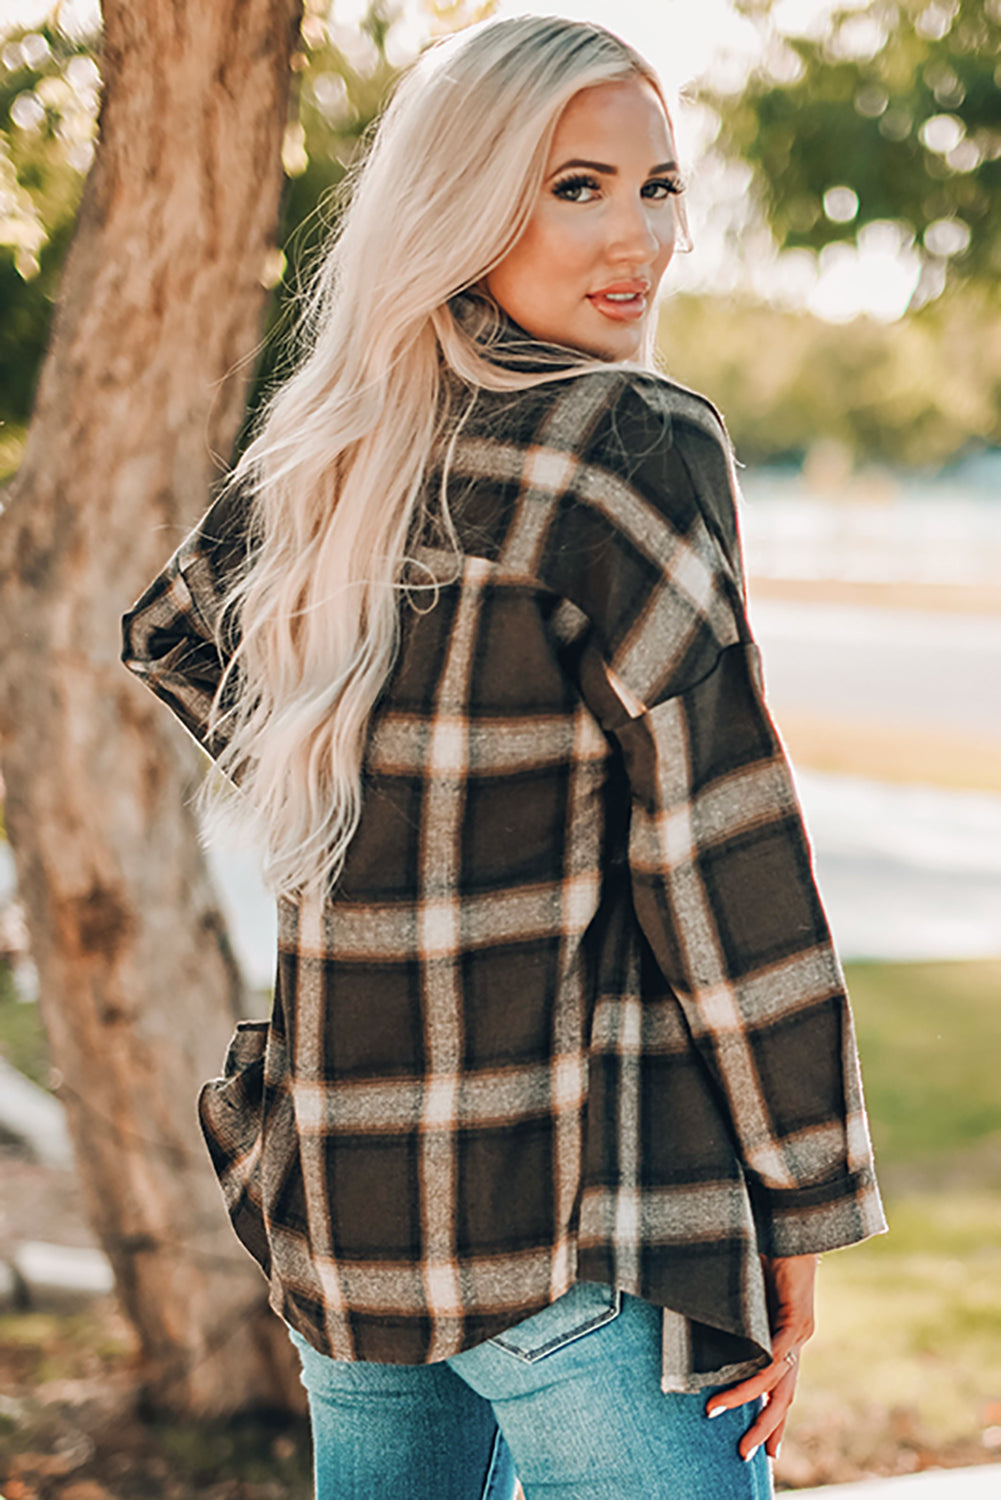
[905, 1367]
[930, 1039]
[60, 1346]
[74, 1375]
[912, 1320]
[904, 1371]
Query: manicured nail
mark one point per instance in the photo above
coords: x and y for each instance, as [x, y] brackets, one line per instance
[778, 1449]
[716, 1411]
[749, 1456]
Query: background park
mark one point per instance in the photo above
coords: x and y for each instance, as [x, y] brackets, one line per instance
[167, 172]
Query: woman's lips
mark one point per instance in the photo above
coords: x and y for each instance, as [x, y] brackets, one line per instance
[621, 308]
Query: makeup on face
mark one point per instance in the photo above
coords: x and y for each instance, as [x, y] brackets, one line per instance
[587, 267]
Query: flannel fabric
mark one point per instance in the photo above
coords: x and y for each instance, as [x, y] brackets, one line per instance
[573, 1012]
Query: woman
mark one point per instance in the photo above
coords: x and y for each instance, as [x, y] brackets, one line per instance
[559, 1097]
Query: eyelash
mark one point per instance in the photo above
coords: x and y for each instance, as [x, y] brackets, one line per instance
[567, 185]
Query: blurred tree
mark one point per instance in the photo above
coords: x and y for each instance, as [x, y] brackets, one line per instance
[49, 92]
[208, 113]
[160, 294]
[787, 380]
[894, 113]
[48, 119]
[159, 290]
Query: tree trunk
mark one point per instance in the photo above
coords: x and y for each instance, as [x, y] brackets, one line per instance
[138, 404]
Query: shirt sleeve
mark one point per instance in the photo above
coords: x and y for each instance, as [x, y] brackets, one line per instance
[720, 862]
[170, 636]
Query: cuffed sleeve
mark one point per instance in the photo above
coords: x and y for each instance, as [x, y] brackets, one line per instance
[170, 637]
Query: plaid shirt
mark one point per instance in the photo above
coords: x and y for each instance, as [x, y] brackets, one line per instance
[574, 1011]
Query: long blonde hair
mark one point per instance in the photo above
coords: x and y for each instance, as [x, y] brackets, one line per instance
[335, 474]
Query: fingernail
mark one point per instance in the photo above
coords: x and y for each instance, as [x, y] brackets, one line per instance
[778, 1449]
[716, 1411]
[749, 1456]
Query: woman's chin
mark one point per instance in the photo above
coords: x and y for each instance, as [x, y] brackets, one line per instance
[611, 339]
[613, 349]
[612, 343]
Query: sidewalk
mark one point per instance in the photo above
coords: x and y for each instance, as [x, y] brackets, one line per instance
[981, 1483]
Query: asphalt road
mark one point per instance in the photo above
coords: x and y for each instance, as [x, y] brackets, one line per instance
[906, 873]
[892, 667]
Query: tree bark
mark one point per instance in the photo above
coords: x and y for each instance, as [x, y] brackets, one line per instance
[139, 400]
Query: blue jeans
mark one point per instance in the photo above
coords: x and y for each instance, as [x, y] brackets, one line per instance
[568, 1399]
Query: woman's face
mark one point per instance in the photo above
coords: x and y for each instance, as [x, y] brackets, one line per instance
[586, 269]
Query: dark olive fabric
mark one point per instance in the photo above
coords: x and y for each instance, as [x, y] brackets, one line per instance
[573, 1011]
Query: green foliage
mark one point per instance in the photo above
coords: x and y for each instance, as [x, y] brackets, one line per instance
[917, 391]
[899, 103]
[48, 123]
[930, 1037]
[48, 114]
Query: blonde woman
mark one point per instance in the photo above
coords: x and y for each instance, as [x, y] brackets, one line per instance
[559, 1099]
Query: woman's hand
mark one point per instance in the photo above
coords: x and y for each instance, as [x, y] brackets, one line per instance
[790, 1283]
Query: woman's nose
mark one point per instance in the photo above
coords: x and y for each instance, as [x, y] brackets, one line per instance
[633, 234]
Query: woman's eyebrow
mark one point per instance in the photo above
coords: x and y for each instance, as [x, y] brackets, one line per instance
[601, 166]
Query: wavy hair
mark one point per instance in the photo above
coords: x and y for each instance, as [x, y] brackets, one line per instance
[334, 478]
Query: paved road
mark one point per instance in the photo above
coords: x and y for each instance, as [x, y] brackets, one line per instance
[906, 872]
[900, 530]
[891, 667]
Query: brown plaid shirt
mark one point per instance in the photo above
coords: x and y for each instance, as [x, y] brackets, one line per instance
[574, 1012]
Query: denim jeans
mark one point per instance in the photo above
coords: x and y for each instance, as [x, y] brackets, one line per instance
[569, 1400]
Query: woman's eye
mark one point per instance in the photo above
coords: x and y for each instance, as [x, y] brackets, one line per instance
[576, 189]
[663, 187]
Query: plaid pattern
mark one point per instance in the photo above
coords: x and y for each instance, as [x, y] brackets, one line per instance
[574, 1012]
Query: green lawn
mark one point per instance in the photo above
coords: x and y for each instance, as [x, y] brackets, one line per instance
[930, 1039]
[911, 1322]
[907, 1354]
